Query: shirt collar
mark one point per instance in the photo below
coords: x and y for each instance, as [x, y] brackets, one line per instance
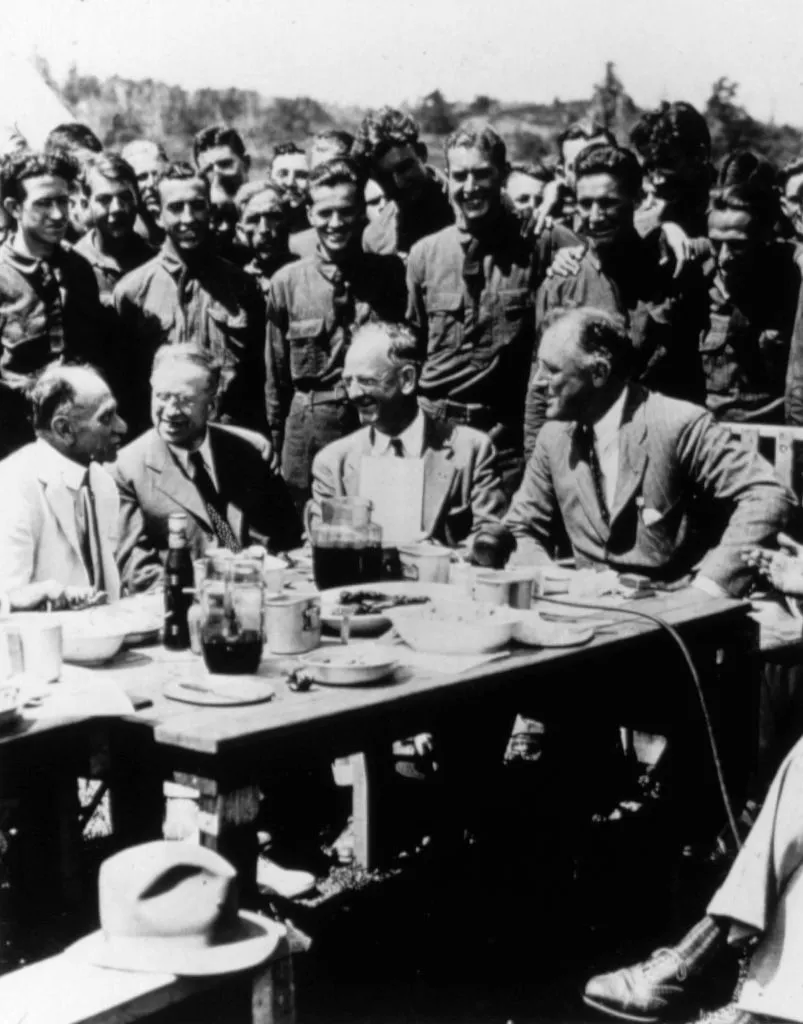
[72, 473]
[27, 264]
[182, 456]
[606, 429]
[412, 439]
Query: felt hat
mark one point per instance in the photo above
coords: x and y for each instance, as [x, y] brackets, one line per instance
[171, 908]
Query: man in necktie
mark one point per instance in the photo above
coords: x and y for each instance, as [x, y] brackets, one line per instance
[460, 486]
[60, 508]
[223, 478]
[314, 306]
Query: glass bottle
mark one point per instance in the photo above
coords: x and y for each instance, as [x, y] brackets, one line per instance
[178, 581]
[231, 613]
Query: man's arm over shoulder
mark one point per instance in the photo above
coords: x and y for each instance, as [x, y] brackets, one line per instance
[534, 510]
[745, 487]
[416, 305]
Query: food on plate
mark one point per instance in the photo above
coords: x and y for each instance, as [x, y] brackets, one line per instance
[372, 602]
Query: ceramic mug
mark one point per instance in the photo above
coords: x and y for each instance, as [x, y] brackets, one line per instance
[424, 563]
[42, 647]
[292, 623]
[504, 587]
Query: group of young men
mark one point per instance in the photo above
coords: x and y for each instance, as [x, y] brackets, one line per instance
[561, 348]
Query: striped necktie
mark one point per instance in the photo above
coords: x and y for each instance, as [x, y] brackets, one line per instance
[89, 533]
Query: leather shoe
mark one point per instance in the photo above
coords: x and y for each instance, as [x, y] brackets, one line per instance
[643, 992]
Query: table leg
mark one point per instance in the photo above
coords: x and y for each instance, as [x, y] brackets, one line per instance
[135, 787]
[369, 771]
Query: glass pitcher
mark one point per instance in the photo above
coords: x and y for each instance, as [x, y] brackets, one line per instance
[231, 613]
[346, 545]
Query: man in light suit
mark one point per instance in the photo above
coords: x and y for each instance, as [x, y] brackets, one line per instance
[59, 513]
[461, 488]
[223, 478]
[642, 482]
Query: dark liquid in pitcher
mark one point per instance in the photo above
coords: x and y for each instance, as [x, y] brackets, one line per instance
[338, 567]
[235, 657]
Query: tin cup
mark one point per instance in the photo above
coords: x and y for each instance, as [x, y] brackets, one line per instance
[42, 648]
[513, 587]
[292, 623]
[424, 563]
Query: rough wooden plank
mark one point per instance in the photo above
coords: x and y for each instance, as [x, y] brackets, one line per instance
[785, 458]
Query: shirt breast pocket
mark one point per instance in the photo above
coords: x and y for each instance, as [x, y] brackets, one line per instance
[228, 330]
[515, 317]
[445, 320]
[306, 344]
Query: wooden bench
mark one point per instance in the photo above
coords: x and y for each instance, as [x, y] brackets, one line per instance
[67, 990]
[782, 446]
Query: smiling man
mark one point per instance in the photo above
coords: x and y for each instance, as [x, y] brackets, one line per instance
[188, 293]
[222, 478]
[461, 490]
[58, 518]
[149, 162]
[49, 303]
[314, 306]
[472, 300]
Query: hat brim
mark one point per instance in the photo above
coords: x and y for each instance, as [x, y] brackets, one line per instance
[249, 944]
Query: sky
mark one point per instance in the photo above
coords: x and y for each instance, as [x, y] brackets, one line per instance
[368, 52]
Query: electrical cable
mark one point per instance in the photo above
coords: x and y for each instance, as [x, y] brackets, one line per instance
[684, 650]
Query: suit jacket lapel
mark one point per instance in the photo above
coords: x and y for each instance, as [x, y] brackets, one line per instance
[170, 480]
[633, 455]
[61, 500]
[584, 484]
[439, 472]
[351, 464]
[229, 478]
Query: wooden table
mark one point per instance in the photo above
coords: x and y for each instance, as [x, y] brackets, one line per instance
[629, 674]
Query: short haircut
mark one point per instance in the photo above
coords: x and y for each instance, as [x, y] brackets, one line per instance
[747, 182]
[337, 172]
[477, 134]
[598, 333]
[183, 171]
[334, 138]
[286, 149]
[403, 346]
[19, 167]
[532, 170]
[386, 129]
[140, 145]
[111, 166]
[673, 131]
[217, 135]
[619, 163]
[72, 137]
[789, 171]
[246, 192]
[586, 128]
[52, 392]
[190, 354]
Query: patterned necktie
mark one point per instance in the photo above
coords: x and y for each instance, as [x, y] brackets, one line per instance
[51, 296]
[89, 533]
[397, 447]
[588, 448]
[214, 506]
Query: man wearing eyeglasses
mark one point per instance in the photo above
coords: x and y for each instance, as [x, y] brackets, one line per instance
[223, 478]
[460, 489]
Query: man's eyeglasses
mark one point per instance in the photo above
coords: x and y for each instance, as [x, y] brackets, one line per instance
[182, 402]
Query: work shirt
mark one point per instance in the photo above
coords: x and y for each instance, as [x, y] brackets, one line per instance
[745, 343]
[212, 303]
[111, 269]
[313, 308]
[398, 228]
[478, 348]
[663, 316]
[49, 309]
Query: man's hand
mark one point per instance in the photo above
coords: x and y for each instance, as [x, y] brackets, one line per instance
[784, 568]
[566, 262]
[675, 247]
[33, 596]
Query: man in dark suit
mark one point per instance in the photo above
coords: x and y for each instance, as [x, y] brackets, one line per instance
[223, 478]
[642, 482]
[461, 490]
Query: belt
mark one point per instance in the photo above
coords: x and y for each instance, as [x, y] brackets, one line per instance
[311, 396]
[470, 414]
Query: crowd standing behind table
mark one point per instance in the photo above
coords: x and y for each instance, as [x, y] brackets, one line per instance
[108, 260]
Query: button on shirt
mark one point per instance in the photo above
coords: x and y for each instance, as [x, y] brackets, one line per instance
[412, 440]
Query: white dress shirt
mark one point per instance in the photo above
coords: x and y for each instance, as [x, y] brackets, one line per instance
[182, 456]
[412, 440]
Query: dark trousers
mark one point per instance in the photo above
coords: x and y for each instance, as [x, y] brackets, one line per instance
[310, 426]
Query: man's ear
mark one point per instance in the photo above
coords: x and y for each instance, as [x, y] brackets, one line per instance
[12, 207]
[408, 378]
[600, 372]
[246, 159]
[62, 427]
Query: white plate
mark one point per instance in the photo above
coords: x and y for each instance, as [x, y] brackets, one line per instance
[349, 665]
[562, 610]
[372, 625]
